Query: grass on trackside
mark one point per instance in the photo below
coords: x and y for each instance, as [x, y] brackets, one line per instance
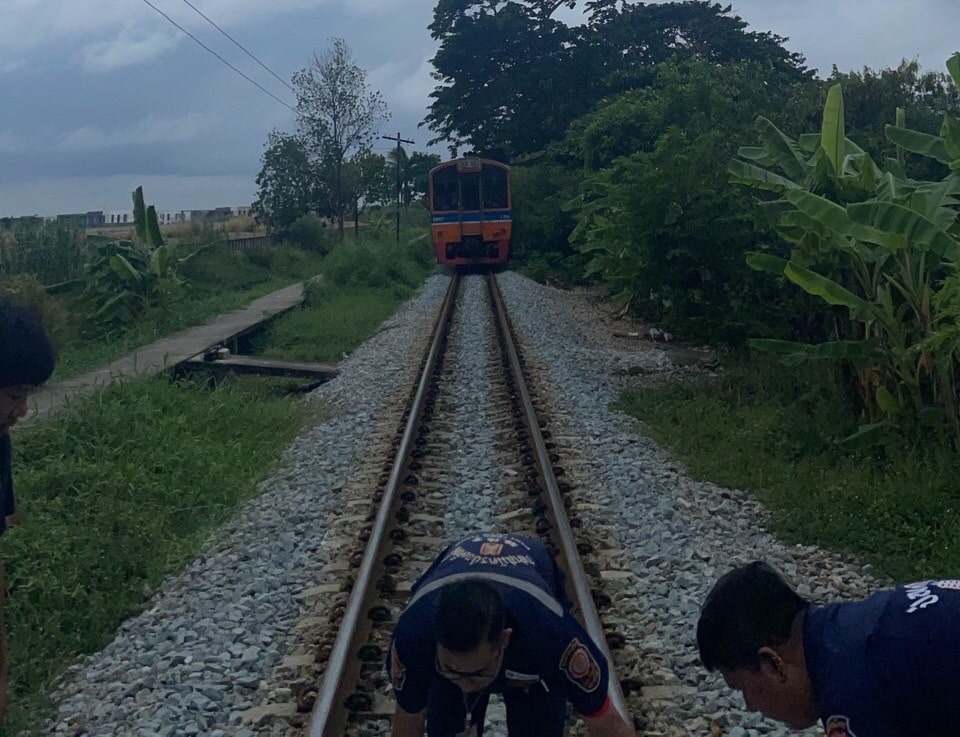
[117, 492]
[122, 488]
[773, 432]
[362, 285]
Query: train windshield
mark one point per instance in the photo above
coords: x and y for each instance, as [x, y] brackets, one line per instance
[446, 189]
[470, 191]
[494, 183]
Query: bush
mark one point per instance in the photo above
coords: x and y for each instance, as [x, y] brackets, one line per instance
[27, 289]
[311, 233]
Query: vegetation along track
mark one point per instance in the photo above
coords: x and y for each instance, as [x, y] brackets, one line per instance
[410, 516]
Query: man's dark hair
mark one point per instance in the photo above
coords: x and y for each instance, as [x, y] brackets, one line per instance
[748, 608]
[26, 353]
[468, 613]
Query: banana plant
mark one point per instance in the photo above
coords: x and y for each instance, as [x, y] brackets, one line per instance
[867, 241]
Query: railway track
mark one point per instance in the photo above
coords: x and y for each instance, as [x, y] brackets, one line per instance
[408, 516]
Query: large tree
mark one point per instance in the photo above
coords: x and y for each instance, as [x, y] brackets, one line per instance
[337, 117]
[511, 77]
[289, 184]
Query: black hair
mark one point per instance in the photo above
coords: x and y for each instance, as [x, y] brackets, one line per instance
[468, 613]
[26, 354]
[748, 608]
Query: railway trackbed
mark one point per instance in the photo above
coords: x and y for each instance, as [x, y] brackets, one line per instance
[392, 529]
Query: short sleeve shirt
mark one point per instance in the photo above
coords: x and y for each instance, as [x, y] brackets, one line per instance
[888, 666]
[548, 646]
[8, 503]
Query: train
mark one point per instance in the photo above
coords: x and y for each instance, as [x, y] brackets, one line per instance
[470, 212]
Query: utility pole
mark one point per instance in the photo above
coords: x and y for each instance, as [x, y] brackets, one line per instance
[399, 140]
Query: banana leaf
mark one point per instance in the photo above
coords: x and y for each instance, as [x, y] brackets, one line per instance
[916, 142]
[827, 289]
[784, 152]
[832, 132]
[743, 173]
[887, 223]
[953, 66]
[766, 262]
[124, 269]
[828, 213]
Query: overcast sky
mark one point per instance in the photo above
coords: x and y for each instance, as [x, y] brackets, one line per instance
[99, 96]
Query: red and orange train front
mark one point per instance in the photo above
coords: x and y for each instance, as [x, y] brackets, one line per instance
[470, 212]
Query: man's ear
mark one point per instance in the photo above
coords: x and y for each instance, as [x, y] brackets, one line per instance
[771, 664]
[505, 636]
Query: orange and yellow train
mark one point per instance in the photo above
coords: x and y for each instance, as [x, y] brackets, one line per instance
[470, 212]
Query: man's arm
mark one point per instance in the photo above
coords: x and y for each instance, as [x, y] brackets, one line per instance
[609, 723]
[406, 724]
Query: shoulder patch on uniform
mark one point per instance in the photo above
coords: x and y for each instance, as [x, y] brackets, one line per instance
[578, 663]
[398, 671]
[839, 726]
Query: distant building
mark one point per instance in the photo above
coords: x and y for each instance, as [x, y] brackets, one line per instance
[119, 217]
[73, 220]
[96, 219]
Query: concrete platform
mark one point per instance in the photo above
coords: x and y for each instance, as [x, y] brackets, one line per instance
[167, 352]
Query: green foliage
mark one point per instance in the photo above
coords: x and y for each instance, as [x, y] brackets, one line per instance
[337, 117]
[542, 225]
[51, 251]
[311, 233]
[27, 289]
[663, 243]
[774, 434]
[873, 244]
[512, 77]
[289, 184]
[379, 264]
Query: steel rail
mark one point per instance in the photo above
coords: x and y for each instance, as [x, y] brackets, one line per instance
[329, 714]
[554, 500]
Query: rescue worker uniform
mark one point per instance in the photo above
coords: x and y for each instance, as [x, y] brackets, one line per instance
[549, 659]
[888, 666]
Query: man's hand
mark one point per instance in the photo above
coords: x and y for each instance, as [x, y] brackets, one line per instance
[609, 724]
[406, 724]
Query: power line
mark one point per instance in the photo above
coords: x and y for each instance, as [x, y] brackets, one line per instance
[251, 81]
[240, 46]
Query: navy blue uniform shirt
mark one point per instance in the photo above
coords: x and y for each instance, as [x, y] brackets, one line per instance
[888, 666]
[548, 646]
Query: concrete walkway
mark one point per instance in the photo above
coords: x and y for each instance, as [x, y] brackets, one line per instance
[166, 352]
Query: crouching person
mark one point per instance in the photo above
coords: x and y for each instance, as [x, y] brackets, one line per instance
[887, 666]
[490, 616]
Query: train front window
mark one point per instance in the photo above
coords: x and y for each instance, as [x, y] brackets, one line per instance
[470, 191]
[446, 189]
[494, 188]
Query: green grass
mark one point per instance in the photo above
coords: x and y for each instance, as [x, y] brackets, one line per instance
[899, 509]
[117, 492]
[363, 284]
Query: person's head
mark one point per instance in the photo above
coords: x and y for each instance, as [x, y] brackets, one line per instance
[750, 629]
[27, 359]
[471, 634]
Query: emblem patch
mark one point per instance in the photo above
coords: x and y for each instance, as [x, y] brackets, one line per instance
[398, 671]
[839, 726]
[580, 666]
[491, 549]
